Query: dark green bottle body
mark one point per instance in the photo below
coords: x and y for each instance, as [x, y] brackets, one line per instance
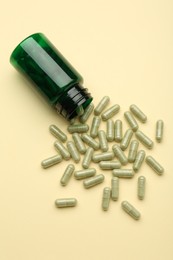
[52, 74]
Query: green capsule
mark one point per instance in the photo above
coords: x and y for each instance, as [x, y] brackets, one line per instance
[87, 113]
[107, 156]
[128, 208]
[95, 126]
[79, 143]
[154, 165]
[58, 133]
[123, 173]
[110, 112]
[109, 165]
[80, 111]
[138, 113]
[78, 128]
[65, 202]
[73, 151]
[118, 131]
[51, 161]
[141, 187]
[67, 174]
[115, 188]
[72, 121]
[131, 121]
[88, 183]
[90, 141]
[159, 130]
[139, 160]
[62, 150]
[103, 141]
[101, 105]
[119, 154]
[87, 158]
[133, 151]
[145, 140]
[110, 130]
[83, 174]
[106, 198]
[126, 139]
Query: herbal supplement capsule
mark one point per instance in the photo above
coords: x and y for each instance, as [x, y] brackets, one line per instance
[67, 174]
[115, 188]
[101, 105]
[72, 121]
[139, 160]
[90, 141]
[83, 174]
[126, 139]
[141, 187]
[78, 128]
[106, 198]
[110, 130]
[80, 111]
[110, 112]
[63, 151]
[107, 156]
[58, 133]
[119, 154]
[133, 151]
[109, 165]
[128, 208]
[145, 140]
[118, 131]
[87, 113]
[73, 151]
[154, 165]
[88, 183]
[79, 143]
[138, 113]
[95, 126]
[131, 121]
[123, 173]
[51, 161]
[159, 130]
[103, 141]
[87, 157]
[65, 202]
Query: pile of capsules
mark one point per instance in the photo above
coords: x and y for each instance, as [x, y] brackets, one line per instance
[87, 141]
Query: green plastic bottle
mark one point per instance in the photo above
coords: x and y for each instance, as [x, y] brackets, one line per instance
[53, 75]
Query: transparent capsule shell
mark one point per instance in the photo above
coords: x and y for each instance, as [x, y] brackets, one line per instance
[131, 121]
[62, 150]
[95, 126]
[93, 181]
[131, 210]
[51, 161]
[65, 202]
[87, 113]
[101, 105]
[110, 130]
[110, 112]
[90, 141]
[103, 141]
[58, 133]
[159, 130]
[133, 151]
[115, 188]
[67, 174]
[154, 165]
[126, 139]
[123, 173]
[106, 198]
[107, 156]
[118, 131]
[83, 174]
[87, 158]
[73, 151]
[109, 165]
[141, 187]
[145, 140]
[119, 154]
[138, 113]
[139, 160]
[79, 143]
[78, 128]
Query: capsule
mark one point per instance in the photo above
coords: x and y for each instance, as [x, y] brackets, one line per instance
[107, 156]
[138, 113]
[87, 158]
[131, 121]
[126, 139]
[72, 121]
[118, 134]
[73, 151]
[83, 174]
[65, 202]
[90, 141]
[133, 151]
[109, 165]
[88, 183]
[128, 208]
[145, 140]
[141, 187]
[58, 133]
[106, 198]
[79, 143]
[87, 113]
[63, 151]
[115, 188]
[80, 110]
[123, 173]
[103, 141]
[51, 161]
[110, 112]
[154, 165]
[139, 160]
[119, 154]
[67, 174]
[159, 130]
[95, 126]
[101, 105]
[78, 128]
[110, 130]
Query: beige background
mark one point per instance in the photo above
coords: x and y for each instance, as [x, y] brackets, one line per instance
[123, 49]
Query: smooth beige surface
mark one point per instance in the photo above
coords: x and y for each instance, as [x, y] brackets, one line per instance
[123, 49]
